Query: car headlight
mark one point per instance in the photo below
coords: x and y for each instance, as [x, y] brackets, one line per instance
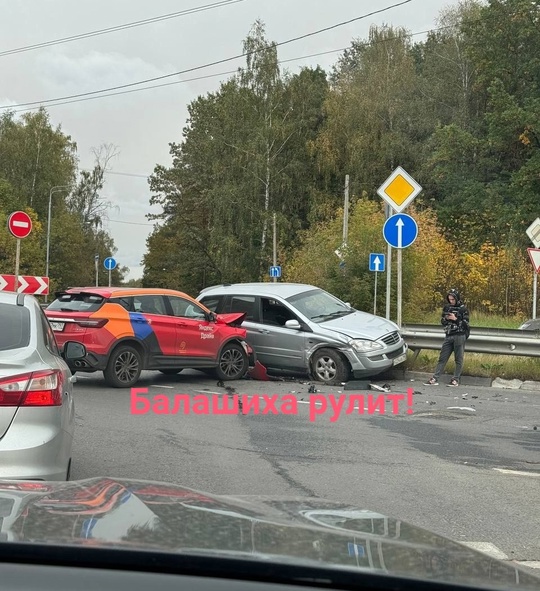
[365, 346]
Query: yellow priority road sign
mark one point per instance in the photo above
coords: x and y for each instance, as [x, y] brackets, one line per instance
[399, 189]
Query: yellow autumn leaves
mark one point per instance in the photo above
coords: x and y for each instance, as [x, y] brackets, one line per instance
[493, 280]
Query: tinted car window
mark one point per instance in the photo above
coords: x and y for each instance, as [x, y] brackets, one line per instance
[245, 304]
[275, 313]
[15, 323]
[213, 303]
[185, 308]
[149, 304]
[77, 302]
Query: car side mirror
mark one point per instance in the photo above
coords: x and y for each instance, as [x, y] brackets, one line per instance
[73, 350]
[293, 324]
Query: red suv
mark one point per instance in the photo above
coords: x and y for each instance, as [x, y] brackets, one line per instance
[126, 330]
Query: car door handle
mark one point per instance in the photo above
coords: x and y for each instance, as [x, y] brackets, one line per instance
[181, 324]
[73, 380]
[264, 331]
[140, 320]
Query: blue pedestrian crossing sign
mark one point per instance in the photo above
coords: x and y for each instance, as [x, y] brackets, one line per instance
[275, 271]
[376, 262]
[400, 230]
[109, 263]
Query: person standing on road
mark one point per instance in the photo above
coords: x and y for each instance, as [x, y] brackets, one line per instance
[455, 319]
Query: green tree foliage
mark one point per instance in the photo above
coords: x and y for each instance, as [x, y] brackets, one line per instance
[244, 157]
[34, 157]
[460, 111]
[39, 163]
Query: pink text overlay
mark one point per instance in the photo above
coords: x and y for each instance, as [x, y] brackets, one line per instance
[267, 404]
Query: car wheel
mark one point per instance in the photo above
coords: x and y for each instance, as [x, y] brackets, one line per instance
[170, 372]
[330, 367]
[233, 363]
[124, 367]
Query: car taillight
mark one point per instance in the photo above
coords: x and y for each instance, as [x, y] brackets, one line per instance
[93, 323]
[39, 388]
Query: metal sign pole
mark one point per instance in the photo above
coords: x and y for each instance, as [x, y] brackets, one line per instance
[388, 269]
[399, 285]
[274, 257]
[17, 259]
[535, 286]
[109, 276]
[375, 295]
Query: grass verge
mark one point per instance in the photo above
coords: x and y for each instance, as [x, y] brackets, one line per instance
[481, 365]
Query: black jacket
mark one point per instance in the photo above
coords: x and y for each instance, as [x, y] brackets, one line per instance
[461, 325]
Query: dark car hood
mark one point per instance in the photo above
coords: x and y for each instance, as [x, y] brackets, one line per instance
[151, 516]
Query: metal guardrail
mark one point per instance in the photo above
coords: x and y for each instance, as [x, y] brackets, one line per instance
[491, 341]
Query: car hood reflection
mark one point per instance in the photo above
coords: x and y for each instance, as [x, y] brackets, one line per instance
[152, 516]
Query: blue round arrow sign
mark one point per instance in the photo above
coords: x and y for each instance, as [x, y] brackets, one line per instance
[109, 263]
[400, 230]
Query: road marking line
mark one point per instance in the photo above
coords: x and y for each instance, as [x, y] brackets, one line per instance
[156, 386]
[487, 548]
[208, 392]
[518, 472]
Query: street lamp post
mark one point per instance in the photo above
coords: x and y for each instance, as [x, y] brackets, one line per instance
[51, 192]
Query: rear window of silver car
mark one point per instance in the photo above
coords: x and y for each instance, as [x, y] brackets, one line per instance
[77, 302]
[15, 327]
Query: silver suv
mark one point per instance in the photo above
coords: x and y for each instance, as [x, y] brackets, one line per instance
[301, 328]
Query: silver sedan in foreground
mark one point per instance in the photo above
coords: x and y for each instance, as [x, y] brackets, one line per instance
[36, 393]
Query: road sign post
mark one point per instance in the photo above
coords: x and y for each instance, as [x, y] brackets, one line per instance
[534, 255]
[20, 226]
[17, 260]
[535, 296]
[110, 264]
[398, 191]
[96, 262]
[376, 263]
[400, 231]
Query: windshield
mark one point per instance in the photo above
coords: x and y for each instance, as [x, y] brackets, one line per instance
[77, 303]
[319, 306]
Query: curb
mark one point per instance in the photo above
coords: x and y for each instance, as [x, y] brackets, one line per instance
[401, 374]
[464, 381]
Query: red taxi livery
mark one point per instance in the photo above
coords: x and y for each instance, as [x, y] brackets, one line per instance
[126, 330]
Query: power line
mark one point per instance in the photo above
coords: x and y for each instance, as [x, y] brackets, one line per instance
[131, 25]
[218, 74]
[317, 32]
[142, 176]
[130, 223]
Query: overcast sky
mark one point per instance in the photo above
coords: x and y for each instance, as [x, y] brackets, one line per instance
[141, 124]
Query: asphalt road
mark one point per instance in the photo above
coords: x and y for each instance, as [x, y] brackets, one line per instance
[471, 473]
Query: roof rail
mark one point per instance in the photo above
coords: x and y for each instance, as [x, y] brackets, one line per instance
[20, 299]
[217, 285]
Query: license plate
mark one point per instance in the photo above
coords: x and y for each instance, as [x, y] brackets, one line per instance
[400, 359]
[57, 326]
